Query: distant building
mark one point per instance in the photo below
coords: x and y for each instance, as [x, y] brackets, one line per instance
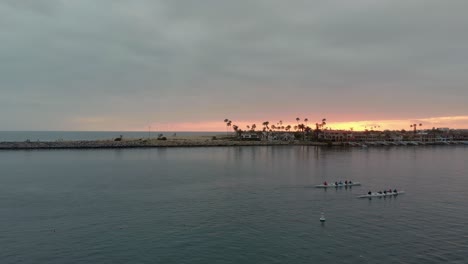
[277, 136]
[283, 136]
[394, 137]
[337, 135]
[250, 136]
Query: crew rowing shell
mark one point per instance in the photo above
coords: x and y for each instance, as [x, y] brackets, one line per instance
[381, 194]
[333, 185]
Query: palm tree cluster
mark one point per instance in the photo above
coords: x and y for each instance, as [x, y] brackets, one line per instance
[414, 127]
[252, 127]
[235, 127]
[302, 128]
[319, 126]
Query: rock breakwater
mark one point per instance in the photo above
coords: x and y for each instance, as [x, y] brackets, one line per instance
[103, 144]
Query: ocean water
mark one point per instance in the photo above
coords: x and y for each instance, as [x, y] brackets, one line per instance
[9, 136]
[233, 205]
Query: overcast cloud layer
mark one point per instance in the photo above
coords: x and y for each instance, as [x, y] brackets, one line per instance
[87, 64]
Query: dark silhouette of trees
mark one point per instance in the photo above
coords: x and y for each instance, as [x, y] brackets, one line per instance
[301, 127]
[319, 127]
[228, 124]
[237, 130]
[265, 126]
[414, 127]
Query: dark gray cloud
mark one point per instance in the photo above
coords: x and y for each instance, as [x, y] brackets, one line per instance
[176, 61]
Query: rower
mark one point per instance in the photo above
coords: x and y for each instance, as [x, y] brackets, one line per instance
[394, 190]
[325, 183]
[336, 183]
[346, 182]
[385, 191]
[369, 193]
[350, 182]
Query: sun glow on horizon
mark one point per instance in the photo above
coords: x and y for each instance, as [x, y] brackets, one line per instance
[457, 122]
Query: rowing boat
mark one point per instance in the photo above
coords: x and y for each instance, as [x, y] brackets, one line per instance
[381, 194]
[333, 185]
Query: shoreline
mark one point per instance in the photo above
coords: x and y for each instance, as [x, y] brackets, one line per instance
[139, 144]
[185, 142]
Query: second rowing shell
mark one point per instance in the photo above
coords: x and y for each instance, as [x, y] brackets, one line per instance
[338, 185]
[381, 194]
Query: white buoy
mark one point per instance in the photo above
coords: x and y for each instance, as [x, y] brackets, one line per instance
[322, 217]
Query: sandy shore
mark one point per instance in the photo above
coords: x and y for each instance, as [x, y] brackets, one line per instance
[188, 141]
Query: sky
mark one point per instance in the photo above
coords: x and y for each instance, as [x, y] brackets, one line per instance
[187, 65]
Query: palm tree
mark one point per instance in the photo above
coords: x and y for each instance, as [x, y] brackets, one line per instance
[298, 119]
[414, 127]
[319, 126]
[306, 120]
[265, 125]
[288, 127]
[227, 121]
[254, 127]
[324, 122]
[237, 130]
[228, 124]
[302, 128]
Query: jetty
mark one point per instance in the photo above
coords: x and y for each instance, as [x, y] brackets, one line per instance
[202, 141]
[147, 143]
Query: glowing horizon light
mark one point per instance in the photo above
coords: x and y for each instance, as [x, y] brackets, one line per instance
[455, 122]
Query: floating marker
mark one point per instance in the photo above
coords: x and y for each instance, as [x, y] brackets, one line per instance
[322, 217]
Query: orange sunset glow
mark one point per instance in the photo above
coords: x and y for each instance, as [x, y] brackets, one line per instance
[458, 122]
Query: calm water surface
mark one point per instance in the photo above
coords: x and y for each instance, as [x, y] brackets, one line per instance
[233, 205]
